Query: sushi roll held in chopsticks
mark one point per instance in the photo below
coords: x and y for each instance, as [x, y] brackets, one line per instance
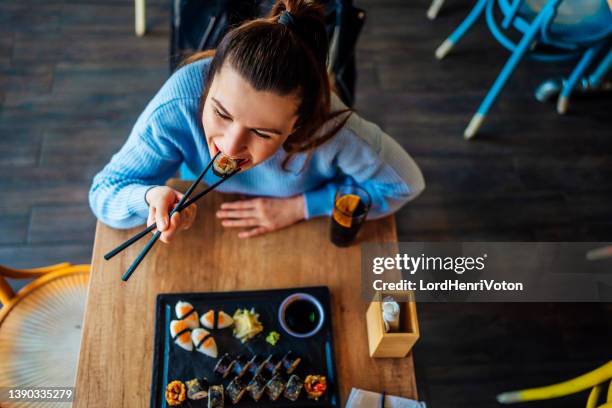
[204, 342]
[181, 334]
[216, 320]
[186, 312]
[224, 165]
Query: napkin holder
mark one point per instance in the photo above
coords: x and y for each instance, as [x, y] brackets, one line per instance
[391, 344]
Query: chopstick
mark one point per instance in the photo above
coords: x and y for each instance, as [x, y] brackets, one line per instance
[382, 399]
[151, 227]
[178, 208]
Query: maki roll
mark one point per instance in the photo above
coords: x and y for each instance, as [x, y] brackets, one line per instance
[236, 389]
[204, 342]
[272, 364]
[215, 396]
[275, 387]
[256, 365]
[222, 320]
[224, 165]
[294, 387]
[241, 366]
[187, 313]
[315, 386]
[181, 334]
[256, 387]
[290, 362]
[224, 366]
[197, 389]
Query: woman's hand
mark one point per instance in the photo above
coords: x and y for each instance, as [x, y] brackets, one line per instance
[262, 215]
[161, 201]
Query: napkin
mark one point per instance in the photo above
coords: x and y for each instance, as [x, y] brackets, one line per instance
[367, 399]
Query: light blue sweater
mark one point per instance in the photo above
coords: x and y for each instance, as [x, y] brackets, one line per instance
[168, 136]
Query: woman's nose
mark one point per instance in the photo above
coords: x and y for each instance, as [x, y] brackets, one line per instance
[234, 141]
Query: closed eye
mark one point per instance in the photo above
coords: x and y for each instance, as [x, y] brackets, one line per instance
[262, 135]
[222, 115]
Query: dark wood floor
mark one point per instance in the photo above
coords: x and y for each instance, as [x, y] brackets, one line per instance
[73, 79]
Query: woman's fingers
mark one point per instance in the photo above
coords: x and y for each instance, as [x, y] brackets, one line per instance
[167, 235]
[189, 215]
[250, 213]
[238, 205]
[253, 232]
[244, 222]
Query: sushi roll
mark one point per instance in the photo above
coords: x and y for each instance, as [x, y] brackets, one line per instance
[181, 334]
[290, 362]
[204, 342]
[293, 388]
[241, 366]
[272, 364]
[187, 313]
[215, 396]
[236, 389]
[257, 387]
[256, 365]
[197, 389]
[275, 387]
[224, 366]
[220, 320]
[224, 165]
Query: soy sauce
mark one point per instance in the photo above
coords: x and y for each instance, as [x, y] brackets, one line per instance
[302, 316]
[342, 236]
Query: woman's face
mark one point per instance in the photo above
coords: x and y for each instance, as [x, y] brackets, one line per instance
[244, 123]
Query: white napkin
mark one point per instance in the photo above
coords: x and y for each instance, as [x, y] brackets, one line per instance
[367, 399]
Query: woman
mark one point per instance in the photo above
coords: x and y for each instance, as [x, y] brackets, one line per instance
[265, 100]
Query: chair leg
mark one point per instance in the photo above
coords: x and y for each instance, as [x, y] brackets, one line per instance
[575, 76]
[434, 9]
[521, 49]
[141, 21]
[460, 31]
[600, 72]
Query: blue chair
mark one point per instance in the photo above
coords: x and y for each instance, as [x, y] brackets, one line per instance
[568, 29]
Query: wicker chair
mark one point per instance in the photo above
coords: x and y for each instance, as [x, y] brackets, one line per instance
[40, 326]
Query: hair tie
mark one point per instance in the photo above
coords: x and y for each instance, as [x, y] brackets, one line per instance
[287, 19]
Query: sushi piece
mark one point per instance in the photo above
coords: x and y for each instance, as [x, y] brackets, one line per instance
[293, 388]
[197, 389]
[290, 362]
[181, 334]
[215, 396]
[255, 365]
[272, 364]
[187, 313]
[224, 165]
[204, 342]
[275, 387]
[224, 366]
[315, 386]
[241, 366]
[236, 390]
[220, 320]
[175, 393]
[257, 387]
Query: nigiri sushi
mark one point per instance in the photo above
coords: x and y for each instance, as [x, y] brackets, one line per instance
[236, 389]
[290, 362]
[293, 388]
[197, 388]
[204, 342]
[222, 320]
[181, 334]
[186, 312]
[215, 396]
[275, 387]
[256, 387]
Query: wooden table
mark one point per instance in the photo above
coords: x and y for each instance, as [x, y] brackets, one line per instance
[116, 350]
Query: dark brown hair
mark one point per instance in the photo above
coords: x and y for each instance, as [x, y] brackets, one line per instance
[285, 59]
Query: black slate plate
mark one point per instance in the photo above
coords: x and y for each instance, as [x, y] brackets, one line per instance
[171, 362]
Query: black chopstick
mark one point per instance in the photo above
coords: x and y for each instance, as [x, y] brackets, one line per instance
[178, 208]
[382, 399]
[151, 227]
